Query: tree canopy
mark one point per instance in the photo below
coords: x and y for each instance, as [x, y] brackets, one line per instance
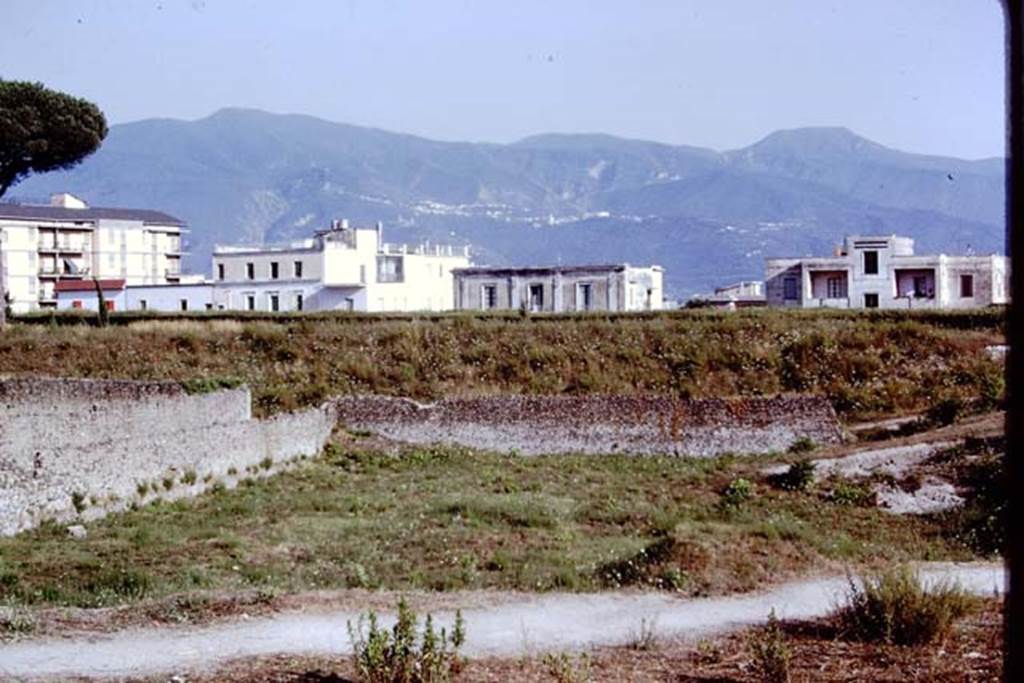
[44, 130]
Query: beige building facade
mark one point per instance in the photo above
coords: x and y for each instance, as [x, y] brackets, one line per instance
[884, 272]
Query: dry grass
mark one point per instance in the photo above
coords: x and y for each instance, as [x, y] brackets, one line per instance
[867, 364]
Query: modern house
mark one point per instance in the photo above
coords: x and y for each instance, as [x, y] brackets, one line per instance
[342, 268]
[559, 289]
[884, 272]
[745, 294]
[67, 240]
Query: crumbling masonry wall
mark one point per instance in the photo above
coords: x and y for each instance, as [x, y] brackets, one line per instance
[97, 441]
[641, 425]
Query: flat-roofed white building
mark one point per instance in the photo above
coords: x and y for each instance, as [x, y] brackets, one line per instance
[559, 289]
[42, 245]
[884, 272]
[343, 268]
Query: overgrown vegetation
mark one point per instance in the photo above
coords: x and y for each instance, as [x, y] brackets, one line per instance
[447, 518]
[867, 364]
[896, 607]
[383, 656]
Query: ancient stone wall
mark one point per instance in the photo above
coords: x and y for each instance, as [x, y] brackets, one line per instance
[85, 447]
[641, 425]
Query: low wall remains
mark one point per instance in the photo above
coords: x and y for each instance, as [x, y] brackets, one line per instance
[642, 425]
[82, 448]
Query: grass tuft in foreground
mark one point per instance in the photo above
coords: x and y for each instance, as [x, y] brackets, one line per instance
[897, 608]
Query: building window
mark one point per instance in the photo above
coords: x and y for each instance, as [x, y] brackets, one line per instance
[273, 270]
[250, 302]
[920, 286]
[489, 297]
[789, 289]
[143, 305]
[183, 304]
[220, 271]
[109, 304]
[871, 263]
[871, 300]
[536, 298]
[389, 269]
[584, 296]
[836, 287]
[966, 286]
[362, 274]
[275, 302]
[250, 271]
[298, 302]
[298, 268]
[77, 303]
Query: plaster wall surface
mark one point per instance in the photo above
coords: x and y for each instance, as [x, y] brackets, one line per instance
[98, 441]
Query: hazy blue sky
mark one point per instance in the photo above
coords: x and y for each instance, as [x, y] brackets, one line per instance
[921, 75]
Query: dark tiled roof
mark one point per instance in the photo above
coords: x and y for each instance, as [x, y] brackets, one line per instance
[86, 285]
[93, 213]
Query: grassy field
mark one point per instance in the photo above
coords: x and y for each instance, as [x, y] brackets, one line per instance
[868, 364]
[446, 519]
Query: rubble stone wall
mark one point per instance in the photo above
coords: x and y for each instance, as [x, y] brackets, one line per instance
[641, 425]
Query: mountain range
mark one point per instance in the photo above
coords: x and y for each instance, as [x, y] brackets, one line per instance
[708, 217]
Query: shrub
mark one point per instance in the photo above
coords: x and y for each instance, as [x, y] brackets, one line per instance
[267, 462]
[770, 652]
[189, 477]
[382, 656]
[737, 492]
[78, 501]
[565, 669]
[645, 638]
[798, 477]
[895, 607]
[804, 444]
[946, 411]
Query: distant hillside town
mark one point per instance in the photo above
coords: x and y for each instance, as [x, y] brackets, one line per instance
[68, 255]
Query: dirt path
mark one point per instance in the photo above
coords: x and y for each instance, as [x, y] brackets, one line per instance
[552, 622]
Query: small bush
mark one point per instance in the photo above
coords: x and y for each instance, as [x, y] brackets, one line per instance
[189, 477]
[168, 483]
[798, 477]
[564, 669]
[738, 492]
[896, 608]
[804, 444]
[771, 654]
[266, 463]
[946, 411]
[382, 656]
[78, 501]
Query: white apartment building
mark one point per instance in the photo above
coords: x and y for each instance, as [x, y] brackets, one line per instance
[69, 240]
[560, 289]
[343, 268]
[884, 272]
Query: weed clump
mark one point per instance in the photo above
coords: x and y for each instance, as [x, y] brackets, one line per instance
[896, 608]
[382, 656]
[770, 653]
[736, 493]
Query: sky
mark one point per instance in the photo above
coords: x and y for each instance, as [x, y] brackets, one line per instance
[918, 75]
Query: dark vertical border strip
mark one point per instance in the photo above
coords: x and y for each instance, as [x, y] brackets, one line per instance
[1014, 614]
